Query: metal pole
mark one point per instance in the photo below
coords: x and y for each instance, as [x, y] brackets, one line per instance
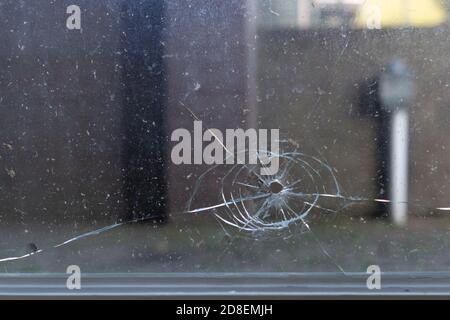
[397, 93]
[399, 166]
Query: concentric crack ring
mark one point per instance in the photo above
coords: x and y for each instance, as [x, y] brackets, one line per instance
[253, 202]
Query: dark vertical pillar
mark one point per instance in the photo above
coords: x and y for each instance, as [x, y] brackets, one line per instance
[144, 106]
[371, 106]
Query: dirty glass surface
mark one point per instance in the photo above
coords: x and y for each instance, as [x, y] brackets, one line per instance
[90, 100]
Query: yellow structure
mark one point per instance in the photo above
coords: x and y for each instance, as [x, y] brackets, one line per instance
[377, 14]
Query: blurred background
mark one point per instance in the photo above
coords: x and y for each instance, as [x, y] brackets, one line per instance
[86, 117]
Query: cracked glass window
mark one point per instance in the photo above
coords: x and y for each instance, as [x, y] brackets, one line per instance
[257, 136]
